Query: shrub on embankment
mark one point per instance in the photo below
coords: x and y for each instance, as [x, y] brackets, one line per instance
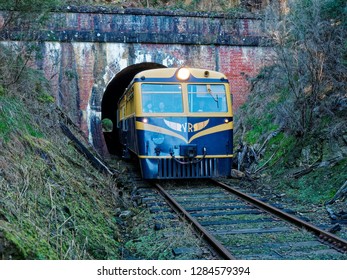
[53, 203]
[294, 125]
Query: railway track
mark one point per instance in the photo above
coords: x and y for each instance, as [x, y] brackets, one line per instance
[234, 224]
[238, 226]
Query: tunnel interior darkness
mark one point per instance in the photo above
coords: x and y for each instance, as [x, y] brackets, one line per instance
[113, 92]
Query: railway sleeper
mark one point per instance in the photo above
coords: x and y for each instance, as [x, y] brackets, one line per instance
[235, 222]
[251, 231]
[326, 253]
[228, 213]
[187, 250]
[280, 245]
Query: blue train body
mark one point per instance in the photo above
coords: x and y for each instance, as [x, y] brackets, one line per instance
[191, 137]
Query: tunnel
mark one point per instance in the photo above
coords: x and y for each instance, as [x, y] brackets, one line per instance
[112, 94]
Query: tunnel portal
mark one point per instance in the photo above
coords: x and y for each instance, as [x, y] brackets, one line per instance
[112, 94]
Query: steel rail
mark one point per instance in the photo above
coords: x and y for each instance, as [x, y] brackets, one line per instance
[333, 240]
[212, 241]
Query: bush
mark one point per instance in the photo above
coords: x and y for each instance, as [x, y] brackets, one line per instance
[309, 61]
[303, 92]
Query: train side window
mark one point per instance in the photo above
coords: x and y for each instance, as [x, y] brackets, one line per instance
[118, 119]
[125, 125]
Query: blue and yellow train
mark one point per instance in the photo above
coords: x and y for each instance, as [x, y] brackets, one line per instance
[178, 122]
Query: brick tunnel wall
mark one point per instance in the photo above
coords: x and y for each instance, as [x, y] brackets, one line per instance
[82, 50]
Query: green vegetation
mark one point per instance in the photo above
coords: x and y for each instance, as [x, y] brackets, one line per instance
[150, 244]
[295, 119]
[2, 90]
[187, 5]
[9, 123]
[318, 186]
[53, 204]
[29, 5]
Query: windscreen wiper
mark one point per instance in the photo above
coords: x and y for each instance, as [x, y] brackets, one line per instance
[210, 92]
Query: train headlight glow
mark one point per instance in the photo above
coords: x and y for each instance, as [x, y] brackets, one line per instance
[145, 120]
[183, 74]
[226, 120]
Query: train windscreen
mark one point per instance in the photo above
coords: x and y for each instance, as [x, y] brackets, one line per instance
[162, 98]
[207, 98]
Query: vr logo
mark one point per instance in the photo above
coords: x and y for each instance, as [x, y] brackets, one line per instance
[187, 127]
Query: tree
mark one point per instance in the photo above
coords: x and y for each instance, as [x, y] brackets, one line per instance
[24, 17]
[310, 60]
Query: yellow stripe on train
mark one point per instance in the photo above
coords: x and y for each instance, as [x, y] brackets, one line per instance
[158, 129]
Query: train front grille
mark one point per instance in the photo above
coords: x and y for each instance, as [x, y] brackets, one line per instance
[171, 169]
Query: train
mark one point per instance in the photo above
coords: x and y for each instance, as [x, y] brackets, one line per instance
[178, 122]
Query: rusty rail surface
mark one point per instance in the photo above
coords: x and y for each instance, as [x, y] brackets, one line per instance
[327, 237]
[212, 241]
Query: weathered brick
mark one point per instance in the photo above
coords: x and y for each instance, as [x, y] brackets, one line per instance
[83, 49]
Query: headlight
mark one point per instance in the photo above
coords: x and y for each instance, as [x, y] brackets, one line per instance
[158, 139]
[183, 74]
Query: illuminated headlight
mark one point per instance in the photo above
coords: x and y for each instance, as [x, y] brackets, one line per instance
[158, 139]
[183, 74]
[145, 120]
[226, 120]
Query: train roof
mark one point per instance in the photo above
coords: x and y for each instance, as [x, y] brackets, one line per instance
[171, 72]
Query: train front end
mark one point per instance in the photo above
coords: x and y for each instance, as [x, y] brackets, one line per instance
[184, 123]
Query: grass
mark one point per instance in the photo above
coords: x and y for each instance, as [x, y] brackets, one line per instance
[53, 204]
[279, 148]
[319, 186]
[193, 5]
[287, 152]
[8, 122]
[150, 244]
[259, 126]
